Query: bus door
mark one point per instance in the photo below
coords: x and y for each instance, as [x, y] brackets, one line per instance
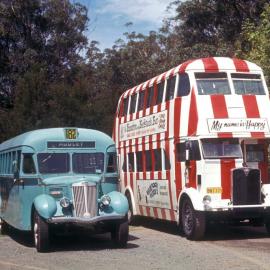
[256, 156]
[187, 171]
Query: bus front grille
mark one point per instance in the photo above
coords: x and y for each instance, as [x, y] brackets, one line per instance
[85, 199]
[246, 186]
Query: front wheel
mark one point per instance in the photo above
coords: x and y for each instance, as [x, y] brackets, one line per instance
[120, 234]
[193, 222]
[41, 233]
[3, 227]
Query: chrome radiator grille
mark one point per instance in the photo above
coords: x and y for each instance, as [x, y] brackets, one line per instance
[85, 199]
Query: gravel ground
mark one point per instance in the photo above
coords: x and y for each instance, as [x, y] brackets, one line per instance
[152, 245]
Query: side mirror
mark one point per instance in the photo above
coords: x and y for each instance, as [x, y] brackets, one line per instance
[15, 169]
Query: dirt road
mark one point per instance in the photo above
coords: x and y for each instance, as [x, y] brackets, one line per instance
[152, 245]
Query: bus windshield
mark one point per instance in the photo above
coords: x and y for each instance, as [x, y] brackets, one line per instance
[212, 83]
[88, 162]
[53, 162]
[246, 84]
[221, 148]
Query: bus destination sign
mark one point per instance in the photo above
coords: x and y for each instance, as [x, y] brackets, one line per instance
[78, 144]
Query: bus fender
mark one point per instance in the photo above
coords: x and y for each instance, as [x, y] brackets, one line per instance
[130, 192]
[194, 197]
[45, 205]
[119, 202]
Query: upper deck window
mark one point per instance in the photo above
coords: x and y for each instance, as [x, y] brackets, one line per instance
[150, 96]
[160, 90]
[221, 148]
[170, 88]
[133, 103]
[183, 85]
[125, 110]
[88, 162]
[53, 162]
[212, 83]
[247, 84]
[141, 100]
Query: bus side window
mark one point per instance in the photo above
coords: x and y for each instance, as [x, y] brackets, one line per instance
[28, 164]
[111, 167]
[124, 167]
[139, 161]
[141, 100]
[131, 162]
[180, 152]
[158, 159]
[167, 164]
[194, 151]
[125, 110]
[170, 88]
[183, 85]
[150, 96]
[148, 161]
[160, 90]
[133, 103]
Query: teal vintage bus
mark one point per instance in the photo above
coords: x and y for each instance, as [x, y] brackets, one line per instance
[59, 176]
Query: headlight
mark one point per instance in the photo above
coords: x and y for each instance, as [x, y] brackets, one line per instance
[206, 200]
[105, 200]
[65, 202]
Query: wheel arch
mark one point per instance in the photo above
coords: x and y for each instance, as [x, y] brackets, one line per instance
[128, 191]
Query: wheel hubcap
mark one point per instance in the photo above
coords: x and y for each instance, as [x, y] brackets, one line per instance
[36, 233]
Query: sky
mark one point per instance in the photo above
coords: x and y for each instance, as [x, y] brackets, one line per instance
[108, 18]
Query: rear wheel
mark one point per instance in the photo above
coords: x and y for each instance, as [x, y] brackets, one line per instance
[120, 233]
[193, 222]
[130, 216]
[267, 225]
[41, 233]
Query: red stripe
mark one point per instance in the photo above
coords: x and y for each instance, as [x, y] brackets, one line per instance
[252, 111]
[155, 212]
[147, 211]
[226, 167]
[210, 65]
[220, 110]
[177, 117]
[184, 66]
[240, 65]
[193, 115]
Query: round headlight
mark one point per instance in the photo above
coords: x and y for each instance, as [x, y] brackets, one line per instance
[65, 202]
[206, 199]
[105, 200]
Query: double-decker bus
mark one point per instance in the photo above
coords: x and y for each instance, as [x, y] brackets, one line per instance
[58, 177]
[193, 144]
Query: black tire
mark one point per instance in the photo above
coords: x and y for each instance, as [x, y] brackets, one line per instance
[3, 227]
[120, 234]
[40, 233]
[193, 222]
[130, 216]
[267, 225]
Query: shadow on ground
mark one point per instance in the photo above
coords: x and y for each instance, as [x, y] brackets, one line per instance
[214, 232]
[76, 240]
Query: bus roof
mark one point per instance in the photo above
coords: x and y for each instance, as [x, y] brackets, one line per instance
[38, 139]
[210, 64]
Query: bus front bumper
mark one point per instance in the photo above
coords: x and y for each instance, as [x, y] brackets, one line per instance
[86, 221]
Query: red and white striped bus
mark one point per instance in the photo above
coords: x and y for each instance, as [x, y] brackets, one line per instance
[193, 144]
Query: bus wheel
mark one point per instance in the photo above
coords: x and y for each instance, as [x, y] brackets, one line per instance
[267, 225]
[130, 216]
[3, 227]
[41, 233]
[120, 233]
[193, 222]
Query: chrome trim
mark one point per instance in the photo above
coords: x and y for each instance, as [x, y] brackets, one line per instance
[85, 220]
